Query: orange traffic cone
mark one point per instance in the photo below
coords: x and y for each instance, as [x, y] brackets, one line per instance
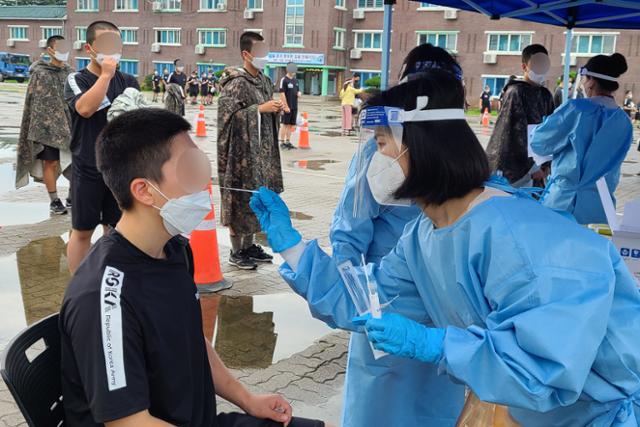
[485, 118]
[303, 142]
[206, 259]
[201, 128]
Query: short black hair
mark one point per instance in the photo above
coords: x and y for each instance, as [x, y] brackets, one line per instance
[531, 50]
[610, 65]
[427, 56]
[99, 25]
[446, 160]
[135, 145]
[247, 39]
[53, 39]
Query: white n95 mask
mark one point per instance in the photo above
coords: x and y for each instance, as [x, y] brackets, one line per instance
[184, 214]
[385, 176]
[61, 56]
[537, 78]
[260, 63]
[101, 56]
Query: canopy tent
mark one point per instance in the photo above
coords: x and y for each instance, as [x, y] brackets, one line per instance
[617, 14]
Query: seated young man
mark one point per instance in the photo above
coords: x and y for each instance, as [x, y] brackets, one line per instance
[133, 350]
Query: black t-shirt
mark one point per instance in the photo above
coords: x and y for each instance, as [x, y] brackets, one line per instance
[180, 79]
[84, 132]
[132, 338]
[290, 89]
[156, 81]
[486, 99]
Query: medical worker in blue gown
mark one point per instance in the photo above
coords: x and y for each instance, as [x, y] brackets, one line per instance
[376, 390]
[523, 305]
[588, 139]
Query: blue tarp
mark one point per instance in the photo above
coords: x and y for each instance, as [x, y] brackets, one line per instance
[618, 14]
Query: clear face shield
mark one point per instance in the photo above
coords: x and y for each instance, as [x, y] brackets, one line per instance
[380, 147]
[583, 73]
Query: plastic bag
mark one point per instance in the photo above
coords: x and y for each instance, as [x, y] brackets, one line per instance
[477, 413]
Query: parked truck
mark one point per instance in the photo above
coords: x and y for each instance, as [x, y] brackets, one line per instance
[14, 66]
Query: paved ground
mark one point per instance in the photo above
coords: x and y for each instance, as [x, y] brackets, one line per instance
[256, 325]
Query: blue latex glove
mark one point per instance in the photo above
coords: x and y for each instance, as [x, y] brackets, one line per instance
[275, 220]
[400, 336]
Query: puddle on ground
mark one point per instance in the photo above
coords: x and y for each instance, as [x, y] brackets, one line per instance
[633, 162]
[257, 331]
[300, 216]
[332, 117]
[628, 175]
[314, 165]
[331, 133]
[248, 332]
[20, 213]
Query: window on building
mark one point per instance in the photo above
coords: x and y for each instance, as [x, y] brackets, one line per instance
[129, 66]
[81, 63]
[370, 4]
[127, 5]
[340, 3]
[444, 40]
[294, 23]
[213, 4]
[167, 36]
[368, 40]
[171, 5]
[366, 75]
[594, 44]
[50, 32]
[496, 83]
[129, 35]
[209, 68]
[87, 5]
[216, 37]
[19, 33]
[508, 43]
[161, 66]
[81, 34]
[338, 38]
[254, 4]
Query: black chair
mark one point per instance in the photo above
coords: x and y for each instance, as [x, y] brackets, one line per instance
[35, 385]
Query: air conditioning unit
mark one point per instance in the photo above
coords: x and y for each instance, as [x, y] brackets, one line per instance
[451, 14]
[11, 42]
[42, 43]
[573, 61]
[222, 5]
[156, 6]
[248, 14]
[155, 47]
[490, 58]
[77, 45]
[200, 49]
[358, 13]
[355, 54]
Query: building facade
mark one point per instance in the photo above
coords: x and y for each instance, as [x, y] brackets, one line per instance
[329, 39]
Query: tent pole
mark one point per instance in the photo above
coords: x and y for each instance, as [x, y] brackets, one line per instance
[386, 43]
[567, 64]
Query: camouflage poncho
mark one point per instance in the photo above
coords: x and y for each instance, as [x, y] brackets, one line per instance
[46, 120]
[248, 153]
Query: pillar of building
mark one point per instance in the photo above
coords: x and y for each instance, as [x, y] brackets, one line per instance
[325, 82]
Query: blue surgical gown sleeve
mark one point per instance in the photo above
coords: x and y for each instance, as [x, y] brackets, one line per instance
[540, 340]
[554, 133]
[318, 281]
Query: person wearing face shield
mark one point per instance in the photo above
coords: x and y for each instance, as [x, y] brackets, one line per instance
[519, 320]
[525, 102]
[89, 94]
[248, 153]
[588, 139]
[43, 145]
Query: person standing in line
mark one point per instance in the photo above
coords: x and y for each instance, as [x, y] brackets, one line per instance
[193, 87]
[289, 94]
[347, 98]
[180, 78]
[248, 154]
[44, 135]
[165, 82]
[204, 88]
[156, 82]
[485, 101]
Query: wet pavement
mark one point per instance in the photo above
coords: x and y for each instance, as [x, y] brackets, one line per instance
[261, 329]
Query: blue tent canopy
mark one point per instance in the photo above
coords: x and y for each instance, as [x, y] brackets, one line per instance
[619, 14]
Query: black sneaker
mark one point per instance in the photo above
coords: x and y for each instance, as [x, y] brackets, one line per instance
[257, 254]
[57, 208]
[290, 146]
[68, 203]
[241, 260]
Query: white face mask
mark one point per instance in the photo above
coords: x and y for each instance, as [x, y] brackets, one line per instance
[385, 176]
[101, 56]
[179, 69]
[184, 214]
[61, 56]
[260, 63]
[537, 78]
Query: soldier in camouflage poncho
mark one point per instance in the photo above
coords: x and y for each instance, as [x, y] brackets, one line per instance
[248, 154]
[46, 126]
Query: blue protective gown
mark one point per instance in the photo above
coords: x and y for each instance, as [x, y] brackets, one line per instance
[376, 390]
[588, 139]
[540, 313]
